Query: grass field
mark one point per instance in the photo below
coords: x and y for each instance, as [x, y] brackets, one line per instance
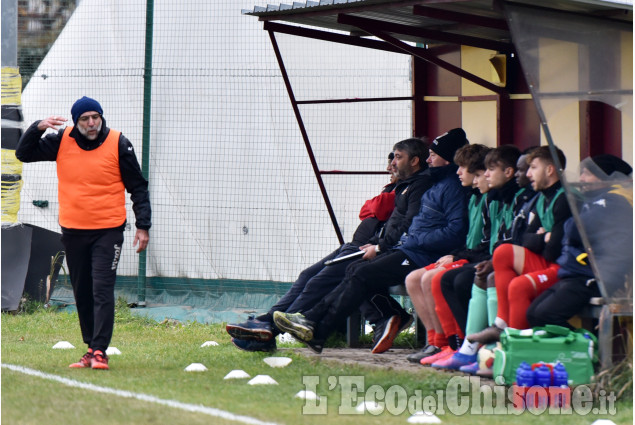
[154, 356]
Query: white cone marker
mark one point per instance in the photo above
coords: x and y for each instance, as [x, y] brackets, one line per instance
[196, 367]
[277, 361]
[110, 351]
[209, 343]
[237, 374]
[63, 345]
[307, 395]
[262, 380]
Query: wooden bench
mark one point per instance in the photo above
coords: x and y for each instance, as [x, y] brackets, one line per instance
[605, 313]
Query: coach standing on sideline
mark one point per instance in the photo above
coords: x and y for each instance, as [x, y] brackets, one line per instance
[95, 165]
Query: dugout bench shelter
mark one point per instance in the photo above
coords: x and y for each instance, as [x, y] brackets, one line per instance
[521, 72]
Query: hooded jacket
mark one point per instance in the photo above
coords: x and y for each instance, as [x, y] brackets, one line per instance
[607, 216]
[408, 195]
[442, 222]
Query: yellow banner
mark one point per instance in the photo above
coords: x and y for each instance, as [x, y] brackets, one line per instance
[11, 186]
[11, 86]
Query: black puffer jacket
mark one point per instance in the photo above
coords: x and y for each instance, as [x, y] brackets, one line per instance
[408, 195]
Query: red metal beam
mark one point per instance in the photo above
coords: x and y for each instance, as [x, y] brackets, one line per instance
[504, 121]
[330, 36]
[353, 100]
[353, 172]
[305, 137]
[447, 37]
[419, 52]
[419, 106]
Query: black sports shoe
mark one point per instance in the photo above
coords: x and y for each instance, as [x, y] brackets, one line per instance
[315, 346]
[252, 345]
[385, 333]
[295, 324]
[427, 351]
[251, 330]
[406, 322]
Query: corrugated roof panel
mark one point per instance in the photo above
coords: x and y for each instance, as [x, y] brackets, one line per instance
[428, 23]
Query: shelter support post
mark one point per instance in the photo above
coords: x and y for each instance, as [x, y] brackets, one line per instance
[145, 156]
[305, 137]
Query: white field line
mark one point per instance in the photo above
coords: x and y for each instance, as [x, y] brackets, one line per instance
[197, 408]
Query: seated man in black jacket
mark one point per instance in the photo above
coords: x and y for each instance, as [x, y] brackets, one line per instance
[409, 164]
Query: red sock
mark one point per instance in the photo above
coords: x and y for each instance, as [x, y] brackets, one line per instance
[441, 340]
[432, 336]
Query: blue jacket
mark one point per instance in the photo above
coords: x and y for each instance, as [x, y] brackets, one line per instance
[607, 216]
[442, 223]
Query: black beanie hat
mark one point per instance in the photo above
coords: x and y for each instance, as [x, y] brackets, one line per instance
[608, 165]
[447, 144]
[85, 104]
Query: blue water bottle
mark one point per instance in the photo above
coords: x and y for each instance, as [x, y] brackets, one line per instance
[542, 378]
[524, 375]
[560, 393]
[524, 380]
[560, 375]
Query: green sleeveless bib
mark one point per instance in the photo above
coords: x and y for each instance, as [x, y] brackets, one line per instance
[546, 214]
[475, 232]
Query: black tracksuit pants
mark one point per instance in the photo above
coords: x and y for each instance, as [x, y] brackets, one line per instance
[316, 281]
[364, 280]
[92, 257]
[562, 301]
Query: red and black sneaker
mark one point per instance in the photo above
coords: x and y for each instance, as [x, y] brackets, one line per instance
[99, 360]
[85, 361]
[385, 333]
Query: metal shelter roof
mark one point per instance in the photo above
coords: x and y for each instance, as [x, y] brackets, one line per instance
[477, 23]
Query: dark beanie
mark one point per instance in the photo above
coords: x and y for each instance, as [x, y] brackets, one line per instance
[610, 164]
[85, 104]
[447, 144]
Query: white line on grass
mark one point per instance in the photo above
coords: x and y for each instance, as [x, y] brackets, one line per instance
[197, 408]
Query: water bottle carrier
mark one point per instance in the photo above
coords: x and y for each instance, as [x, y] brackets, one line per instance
[539, 396]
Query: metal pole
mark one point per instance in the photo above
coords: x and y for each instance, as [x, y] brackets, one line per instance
[305, 137]
[9, 33]
[145, 156]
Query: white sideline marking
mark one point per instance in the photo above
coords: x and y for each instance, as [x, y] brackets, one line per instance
[197, 408]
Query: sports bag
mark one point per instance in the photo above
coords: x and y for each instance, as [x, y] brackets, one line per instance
[548, 344]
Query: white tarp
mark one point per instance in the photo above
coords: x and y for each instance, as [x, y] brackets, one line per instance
[232, 188]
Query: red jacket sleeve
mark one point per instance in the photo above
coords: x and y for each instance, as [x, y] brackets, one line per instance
[380, 206]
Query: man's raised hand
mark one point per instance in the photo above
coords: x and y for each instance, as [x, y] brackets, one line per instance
[53, 122]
